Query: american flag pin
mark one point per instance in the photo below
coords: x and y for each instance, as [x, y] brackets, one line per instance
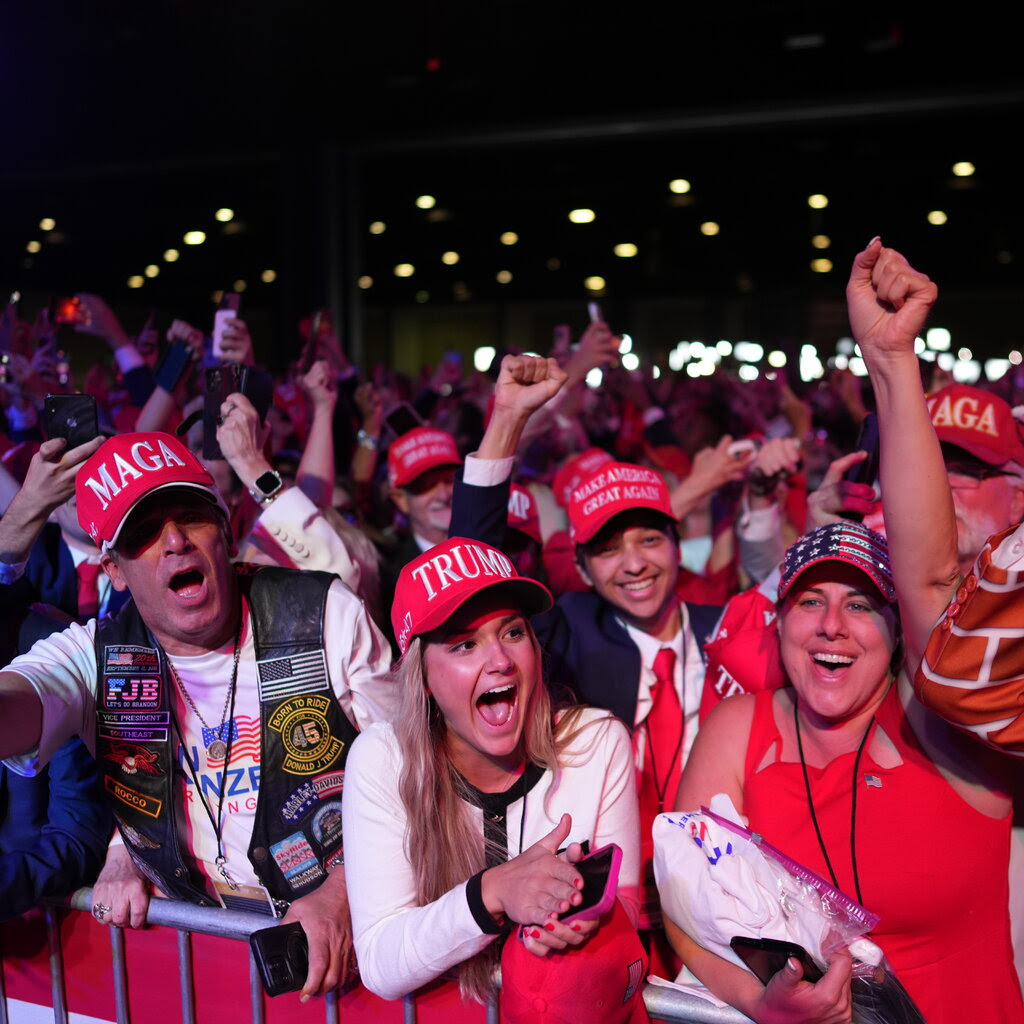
[873, 780]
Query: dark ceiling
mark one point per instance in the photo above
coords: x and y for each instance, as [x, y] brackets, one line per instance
[130, 124]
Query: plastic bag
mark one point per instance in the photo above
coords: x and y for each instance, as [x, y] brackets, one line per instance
[718, 879]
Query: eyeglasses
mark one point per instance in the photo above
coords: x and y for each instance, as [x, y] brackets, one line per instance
[969, 476]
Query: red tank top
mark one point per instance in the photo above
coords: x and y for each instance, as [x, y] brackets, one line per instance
[931, 866]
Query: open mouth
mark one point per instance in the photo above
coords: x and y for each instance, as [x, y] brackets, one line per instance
[497, 706]
[831, 662]
[188, 583]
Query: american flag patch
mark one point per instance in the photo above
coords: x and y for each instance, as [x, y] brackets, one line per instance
[283, 677]
[636, 975]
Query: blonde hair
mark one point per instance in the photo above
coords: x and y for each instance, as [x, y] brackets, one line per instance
[443, 842]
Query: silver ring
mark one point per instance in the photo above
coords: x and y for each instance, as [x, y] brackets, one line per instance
[100, 911]
[231, 408]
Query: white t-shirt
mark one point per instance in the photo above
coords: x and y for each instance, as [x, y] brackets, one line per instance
[62, 669]
[400, 945]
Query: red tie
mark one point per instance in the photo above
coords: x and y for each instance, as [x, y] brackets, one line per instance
[88, 590]
[660, 777]
[664, 735]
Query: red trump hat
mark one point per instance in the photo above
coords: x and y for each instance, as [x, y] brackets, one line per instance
[433, 587]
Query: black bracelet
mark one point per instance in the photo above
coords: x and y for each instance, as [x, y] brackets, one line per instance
[482, 916]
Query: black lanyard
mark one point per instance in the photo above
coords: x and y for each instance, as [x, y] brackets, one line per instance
[218, 822]
[853, 802]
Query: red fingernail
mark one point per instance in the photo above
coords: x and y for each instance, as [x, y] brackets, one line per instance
[550, 927]
[575, 927]
[536, 933]
[579, 883]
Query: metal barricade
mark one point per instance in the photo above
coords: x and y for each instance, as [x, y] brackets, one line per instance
[663, 1004]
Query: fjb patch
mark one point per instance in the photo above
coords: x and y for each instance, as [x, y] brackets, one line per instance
[131, 692]
[308, 743]
[123, 657]
[295, 858]
[327, 823]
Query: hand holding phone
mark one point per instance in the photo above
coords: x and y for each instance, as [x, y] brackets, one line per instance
[282, 957]
[72, 417]
[766, 957]
[600, 871]
[227, 310]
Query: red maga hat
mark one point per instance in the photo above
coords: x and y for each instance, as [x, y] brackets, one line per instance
[574, 469]
[979, 422]
[417, 451]
[612, 488]
[127, 468]
[433, 587]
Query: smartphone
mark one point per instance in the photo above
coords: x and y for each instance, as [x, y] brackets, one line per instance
[221, 381]
[766, 957]
[594, 312]
[600, 871]
[282, 957]
[227, 310]
[67, 311]
[865, 472]
[72, 417]
[402, 419]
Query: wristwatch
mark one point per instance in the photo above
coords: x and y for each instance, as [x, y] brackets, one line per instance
[267, 486]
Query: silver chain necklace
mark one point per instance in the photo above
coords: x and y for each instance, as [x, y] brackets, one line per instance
[218, 748]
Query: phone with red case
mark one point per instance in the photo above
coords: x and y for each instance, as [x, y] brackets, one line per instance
[600, 871]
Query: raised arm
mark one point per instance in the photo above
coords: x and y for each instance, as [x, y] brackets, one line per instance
[888, 302]
[316, 470]
[525, 383]
[49, 482]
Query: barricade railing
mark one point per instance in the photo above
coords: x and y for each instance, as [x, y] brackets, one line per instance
[663, 1004]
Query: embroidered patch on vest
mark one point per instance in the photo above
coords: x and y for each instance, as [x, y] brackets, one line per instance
[327, 823]
[299, 803]
[298, 673]
[309, 745]
[329, 784]
[131, 692]
[137, 838]
[133, 798]
[121, 657]
[296, 860]
[144, 727]
[134, 759]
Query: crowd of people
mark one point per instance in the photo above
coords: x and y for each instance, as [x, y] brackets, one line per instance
[495, 622]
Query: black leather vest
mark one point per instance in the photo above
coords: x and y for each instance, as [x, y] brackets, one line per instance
[304, 740]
